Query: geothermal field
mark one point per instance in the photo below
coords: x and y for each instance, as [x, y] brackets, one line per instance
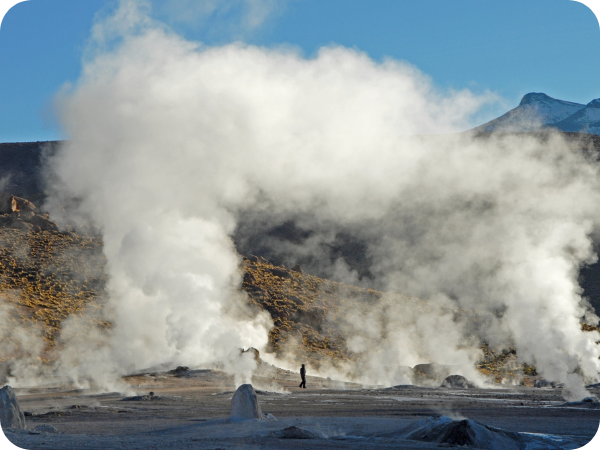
[506, 404]
[192, 408]
[217, 216]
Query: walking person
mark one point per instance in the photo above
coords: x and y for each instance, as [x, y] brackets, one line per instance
[303, 376]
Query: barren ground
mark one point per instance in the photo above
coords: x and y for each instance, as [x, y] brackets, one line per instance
[193, 408]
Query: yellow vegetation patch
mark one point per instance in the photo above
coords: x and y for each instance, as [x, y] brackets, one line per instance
[49, 275]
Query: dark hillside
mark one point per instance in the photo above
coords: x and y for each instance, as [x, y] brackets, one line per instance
[20, 168]
[20, 175]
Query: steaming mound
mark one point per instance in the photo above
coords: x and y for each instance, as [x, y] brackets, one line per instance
[469, 433]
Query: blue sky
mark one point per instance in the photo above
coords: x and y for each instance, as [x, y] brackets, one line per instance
[506, 46]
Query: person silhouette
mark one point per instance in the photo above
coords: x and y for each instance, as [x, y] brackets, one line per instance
[303, 376]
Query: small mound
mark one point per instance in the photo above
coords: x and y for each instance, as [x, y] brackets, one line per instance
[470, 433]
[456, 382]
[45, 429]
[142, 398]
[294, 433]
[402, 386]
[588, 403]
[179, 370]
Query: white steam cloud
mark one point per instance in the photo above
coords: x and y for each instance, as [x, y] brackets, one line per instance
[170, 143]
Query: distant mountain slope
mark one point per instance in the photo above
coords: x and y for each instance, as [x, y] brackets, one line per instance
[535, 110]
[21, 168]
[586, 120]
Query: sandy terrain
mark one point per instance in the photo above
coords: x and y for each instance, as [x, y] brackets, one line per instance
[192, 411]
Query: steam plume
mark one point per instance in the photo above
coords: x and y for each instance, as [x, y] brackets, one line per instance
[171, 142]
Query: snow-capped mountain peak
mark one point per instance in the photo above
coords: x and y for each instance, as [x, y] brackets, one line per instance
[586, 120]
[535, 97]
[594, 103]
[535, 110]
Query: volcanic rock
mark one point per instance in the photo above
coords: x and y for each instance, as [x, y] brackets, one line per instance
[43, 222]
[470, 433]
[297, 268]
[244, 404]
[281, 273]
[456, 382]
[45, 429]
[179, 370]
[19, 224]
[294, 433]
[20, 204]
[10, 203]
[10, 412]
[142, 398]
[431, 373]
[19, 213]
[543, 383]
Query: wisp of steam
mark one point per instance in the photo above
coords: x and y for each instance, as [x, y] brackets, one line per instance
[171, 143]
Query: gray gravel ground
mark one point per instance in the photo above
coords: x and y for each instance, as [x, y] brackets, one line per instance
[192, 412]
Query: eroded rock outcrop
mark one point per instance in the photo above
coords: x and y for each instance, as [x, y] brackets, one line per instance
[17, 212]
[18, 204]
[11, 203]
